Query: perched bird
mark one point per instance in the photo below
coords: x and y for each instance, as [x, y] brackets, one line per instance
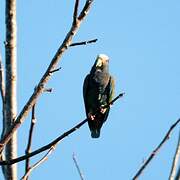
[98, 90]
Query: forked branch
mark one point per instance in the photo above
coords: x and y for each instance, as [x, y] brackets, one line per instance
[41, 85]
[43, 159]
[55, 141]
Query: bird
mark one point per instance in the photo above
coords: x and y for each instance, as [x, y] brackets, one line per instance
[98, 91]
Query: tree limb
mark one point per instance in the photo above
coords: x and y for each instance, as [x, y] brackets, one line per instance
[155, 151]
[55, 141]
[10, 86]
[40, 87]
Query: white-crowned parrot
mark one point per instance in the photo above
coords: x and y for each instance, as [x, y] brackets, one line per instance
[98, 91]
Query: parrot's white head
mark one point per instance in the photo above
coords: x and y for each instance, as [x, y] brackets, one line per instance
[102, 59]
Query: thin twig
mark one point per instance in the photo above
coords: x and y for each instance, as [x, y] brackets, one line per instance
[55, 70]
[45, 78]
[77, 167]
[49, 90]
[43, 159]
[55, 141]
[155, 151]
[28, 149]
[84, 42]
[175, 161]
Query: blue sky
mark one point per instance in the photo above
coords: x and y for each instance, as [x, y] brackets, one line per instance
[142, 40]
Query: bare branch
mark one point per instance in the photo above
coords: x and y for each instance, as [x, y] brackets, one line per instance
[44, 148]
[175, 161]
[155, 151]
[28, 149]
[43, 159]
[54, 142]
[114, 100]
[83, 42]
[77, 167]
[75, 14]
[45, 78]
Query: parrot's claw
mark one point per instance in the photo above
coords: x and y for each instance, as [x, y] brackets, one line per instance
[91, 117]
[102, 110]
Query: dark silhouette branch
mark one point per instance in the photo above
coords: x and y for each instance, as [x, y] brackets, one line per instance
[83, 42]
[43, 159]
[55, 141]
[175, 160]
[44, 148]
[155, 151]
[77, 167]
[45, 78]
[28, 149]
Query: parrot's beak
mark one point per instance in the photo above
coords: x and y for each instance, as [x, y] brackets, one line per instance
[99, 63]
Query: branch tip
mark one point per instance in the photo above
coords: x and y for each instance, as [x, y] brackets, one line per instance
[49, 90]
[84, 42]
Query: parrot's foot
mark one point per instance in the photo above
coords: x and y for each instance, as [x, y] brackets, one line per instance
[91, 117]
[102, 110]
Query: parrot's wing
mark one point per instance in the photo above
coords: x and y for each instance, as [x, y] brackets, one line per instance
[110, 95]
[85, 90]
[111, 89]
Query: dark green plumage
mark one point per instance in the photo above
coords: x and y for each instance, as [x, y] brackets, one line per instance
[98, 90]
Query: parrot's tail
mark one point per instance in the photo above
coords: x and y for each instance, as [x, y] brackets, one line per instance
[95, 133]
